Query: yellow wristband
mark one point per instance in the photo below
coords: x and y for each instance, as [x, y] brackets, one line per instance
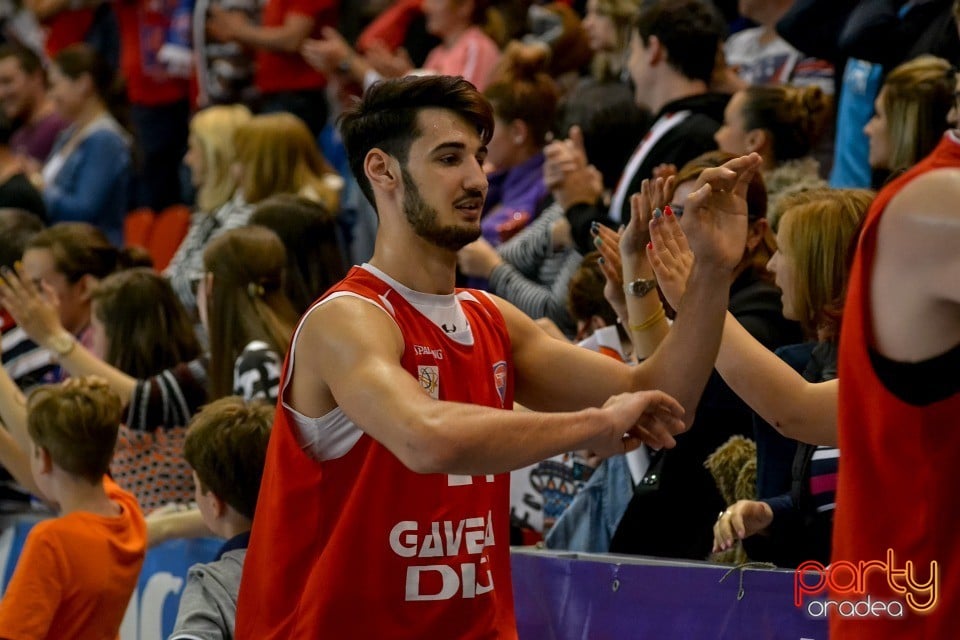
[654, 318]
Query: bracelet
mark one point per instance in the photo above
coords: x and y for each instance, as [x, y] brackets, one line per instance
[654, 318]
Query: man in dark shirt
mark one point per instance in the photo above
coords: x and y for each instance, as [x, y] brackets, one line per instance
[673, 51]
[23, 100]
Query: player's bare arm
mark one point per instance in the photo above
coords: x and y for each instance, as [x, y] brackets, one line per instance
[915, 288]
[356, 348]
[798, 409]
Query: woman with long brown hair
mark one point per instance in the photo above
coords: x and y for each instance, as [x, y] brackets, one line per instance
[248, 316]
[309, 232]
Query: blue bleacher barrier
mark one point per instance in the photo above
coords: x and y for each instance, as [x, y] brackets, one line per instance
[561, 596]
[558, 596]
[153, 608]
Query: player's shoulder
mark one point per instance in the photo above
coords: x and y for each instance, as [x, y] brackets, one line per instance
[344, 307]
[346, 318]
[507, 310]
[933, 193]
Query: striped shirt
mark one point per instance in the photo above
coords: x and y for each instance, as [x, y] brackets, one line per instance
[535, 278]
[823, 478]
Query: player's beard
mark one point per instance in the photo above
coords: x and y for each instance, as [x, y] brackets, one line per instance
[425, 219]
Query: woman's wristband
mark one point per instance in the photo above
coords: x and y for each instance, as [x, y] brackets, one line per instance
[651, 321]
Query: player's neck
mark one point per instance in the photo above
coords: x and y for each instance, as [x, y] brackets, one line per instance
[417, 264]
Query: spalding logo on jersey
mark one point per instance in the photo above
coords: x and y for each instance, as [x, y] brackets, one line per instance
[500, 380]
[429, 377]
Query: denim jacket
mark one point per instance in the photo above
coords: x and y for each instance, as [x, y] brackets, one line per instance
[590, 521]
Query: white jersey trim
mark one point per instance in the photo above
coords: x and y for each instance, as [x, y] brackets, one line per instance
[333, 434]
[443, 310]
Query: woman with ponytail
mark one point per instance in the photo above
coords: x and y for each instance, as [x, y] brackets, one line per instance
[248, 316]
[910, 115]
[87, 175]
[782, 124]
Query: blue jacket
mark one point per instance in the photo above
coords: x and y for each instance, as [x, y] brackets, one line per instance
[589, 522]
[93, 182]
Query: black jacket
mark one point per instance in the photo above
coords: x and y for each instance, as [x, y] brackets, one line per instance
[683, 143]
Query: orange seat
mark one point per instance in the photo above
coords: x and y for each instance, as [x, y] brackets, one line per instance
[168, 231]
[137, 226]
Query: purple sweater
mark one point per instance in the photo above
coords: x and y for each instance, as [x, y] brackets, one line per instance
[36, 140]
[513, 192]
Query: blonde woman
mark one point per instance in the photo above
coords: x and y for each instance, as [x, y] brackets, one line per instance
[220, 205]
[276, 153]
[910, 113]
[607, 25]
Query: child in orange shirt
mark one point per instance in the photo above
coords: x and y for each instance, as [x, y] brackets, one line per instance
[77, 572]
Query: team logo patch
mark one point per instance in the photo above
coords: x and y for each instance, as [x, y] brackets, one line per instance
[500, 380]
[429, 377]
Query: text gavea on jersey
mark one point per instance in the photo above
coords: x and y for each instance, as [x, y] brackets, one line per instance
[466, 541]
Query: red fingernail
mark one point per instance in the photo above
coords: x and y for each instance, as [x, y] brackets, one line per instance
[650, 245]
[667, 210]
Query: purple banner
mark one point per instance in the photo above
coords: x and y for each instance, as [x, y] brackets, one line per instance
[587, 597]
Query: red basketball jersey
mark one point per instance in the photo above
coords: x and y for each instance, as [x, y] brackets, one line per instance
[896, 490]
[359, 546]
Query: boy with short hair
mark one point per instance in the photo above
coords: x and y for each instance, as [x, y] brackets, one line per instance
[77, 572]
[226, 445]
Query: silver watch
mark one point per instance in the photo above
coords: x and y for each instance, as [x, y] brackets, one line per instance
[640, 287]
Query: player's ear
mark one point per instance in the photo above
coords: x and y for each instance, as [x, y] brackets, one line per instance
[382, 170]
